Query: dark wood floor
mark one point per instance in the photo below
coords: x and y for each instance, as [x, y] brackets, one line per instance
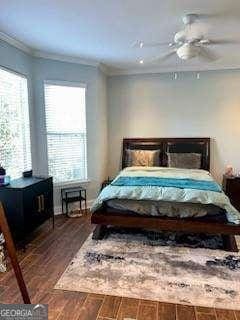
[48, 255]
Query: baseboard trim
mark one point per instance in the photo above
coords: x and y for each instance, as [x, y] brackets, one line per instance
[58, 209]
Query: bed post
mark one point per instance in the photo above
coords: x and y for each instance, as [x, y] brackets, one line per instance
[99, 232]
[229, 243]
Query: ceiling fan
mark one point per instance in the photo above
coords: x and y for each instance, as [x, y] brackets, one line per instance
[187, 43]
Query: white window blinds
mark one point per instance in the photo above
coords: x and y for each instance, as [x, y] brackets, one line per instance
[66, 131]
[15, 151]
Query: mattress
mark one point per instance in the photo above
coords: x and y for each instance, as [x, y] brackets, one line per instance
[164, 208]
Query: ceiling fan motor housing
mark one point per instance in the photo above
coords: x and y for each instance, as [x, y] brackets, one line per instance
[189, 18]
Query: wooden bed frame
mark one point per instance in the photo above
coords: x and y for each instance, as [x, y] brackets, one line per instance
[105, 217]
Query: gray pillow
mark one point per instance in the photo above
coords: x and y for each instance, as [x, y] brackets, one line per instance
[145, 158]
[184, 160]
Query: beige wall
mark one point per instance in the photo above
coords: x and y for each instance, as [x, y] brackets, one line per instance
[156, 105]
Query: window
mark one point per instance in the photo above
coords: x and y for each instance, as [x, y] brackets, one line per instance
[66, 131]
[15, 151]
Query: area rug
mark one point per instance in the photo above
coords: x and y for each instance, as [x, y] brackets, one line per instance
[138, 266]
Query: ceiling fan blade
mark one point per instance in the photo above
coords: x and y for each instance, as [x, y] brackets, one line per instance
[166, 56]
[219, 41]
[208, 54]
[142, 44]
[159, 59]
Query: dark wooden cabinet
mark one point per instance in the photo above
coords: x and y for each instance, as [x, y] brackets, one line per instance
[28, 202]
[231, 186]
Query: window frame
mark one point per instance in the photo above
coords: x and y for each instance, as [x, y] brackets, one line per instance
[27, 77]
[66, 84]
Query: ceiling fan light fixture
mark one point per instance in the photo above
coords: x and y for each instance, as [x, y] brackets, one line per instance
[141, 61]
[187, 51]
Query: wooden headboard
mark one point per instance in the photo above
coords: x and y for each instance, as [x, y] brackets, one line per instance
[176, 145]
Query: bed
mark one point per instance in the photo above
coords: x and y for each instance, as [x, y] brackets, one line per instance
[120, 216]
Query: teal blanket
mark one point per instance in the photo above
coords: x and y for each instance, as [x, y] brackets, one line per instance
[167, 182]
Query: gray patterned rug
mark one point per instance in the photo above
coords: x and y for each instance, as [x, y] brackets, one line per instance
[157, 267]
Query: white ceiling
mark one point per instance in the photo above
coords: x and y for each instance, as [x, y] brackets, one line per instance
[104, 30]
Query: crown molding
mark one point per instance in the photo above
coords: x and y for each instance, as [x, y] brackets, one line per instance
[104, 68]
[15, 43]
[151, 70]
[70, 59]
[64, 58]
[45, 55]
